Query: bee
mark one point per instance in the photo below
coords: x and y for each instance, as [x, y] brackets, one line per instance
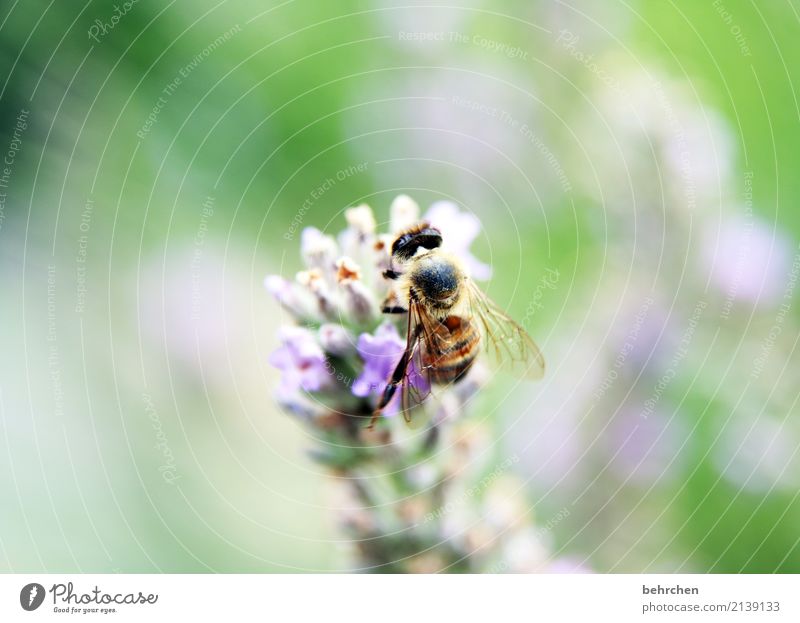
[448, 317]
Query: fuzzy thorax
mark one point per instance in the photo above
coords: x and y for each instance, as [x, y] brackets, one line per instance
[436, 280]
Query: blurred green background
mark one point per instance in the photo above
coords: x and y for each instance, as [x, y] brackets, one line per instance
[157, 156]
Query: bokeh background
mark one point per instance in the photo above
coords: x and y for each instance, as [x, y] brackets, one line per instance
[157, 160]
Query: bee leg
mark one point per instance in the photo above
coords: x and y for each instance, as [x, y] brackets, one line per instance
[391, 305]
[391, 387]
[375, 415]
[388, 393]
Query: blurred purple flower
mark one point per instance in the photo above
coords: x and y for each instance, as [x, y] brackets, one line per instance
[380, 353]
[459, 230]
[748, 260]
[301, 360]
[647, 449]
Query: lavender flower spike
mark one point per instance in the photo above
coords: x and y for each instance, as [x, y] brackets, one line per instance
[409, 501]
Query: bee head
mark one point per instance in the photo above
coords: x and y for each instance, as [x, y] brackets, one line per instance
[410, 241]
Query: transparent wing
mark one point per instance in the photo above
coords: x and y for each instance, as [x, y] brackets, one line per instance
[508, 346]
[415, 386]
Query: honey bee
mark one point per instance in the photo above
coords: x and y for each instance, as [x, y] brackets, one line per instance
[448, 318]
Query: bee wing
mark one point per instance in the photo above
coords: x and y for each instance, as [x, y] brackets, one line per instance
[415, 386]
[507, 344]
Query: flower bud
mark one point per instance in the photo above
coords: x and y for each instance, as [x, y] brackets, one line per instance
[346, 268]
[358, 237]
[313, 281]
[361, 220]
[296, 302]
[359, 302]
[403, 213]
[383, 253]
[336, 340]
[318, 250]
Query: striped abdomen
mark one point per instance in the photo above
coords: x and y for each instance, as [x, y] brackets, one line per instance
[451, 349]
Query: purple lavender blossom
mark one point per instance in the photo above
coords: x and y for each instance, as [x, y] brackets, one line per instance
[459, 230]
[646, 449]
[302, 362]
[380, 353]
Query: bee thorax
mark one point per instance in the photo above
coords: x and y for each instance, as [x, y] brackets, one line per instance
[436, 280]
